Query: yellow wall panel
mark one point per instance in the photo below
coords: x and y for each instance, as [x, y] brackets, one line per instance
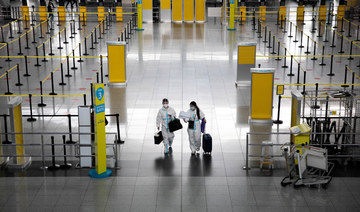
[42, 13]
[117, 66]
[282, 12]
[188, 10]
[176, 10]
[300, 13]
[101, 13]
[147, 4]
[322, 13]
[340, 12]
[165, 5]
[83, 15]
[61, 10]
[246, 54]
[200, 10]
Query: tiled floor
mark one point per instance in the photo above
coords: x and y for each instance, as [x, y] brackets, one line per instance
[182, 62]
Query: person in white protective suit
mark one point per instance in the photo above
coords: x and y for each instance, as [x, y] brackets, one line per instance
[194, 126]
[164, 116]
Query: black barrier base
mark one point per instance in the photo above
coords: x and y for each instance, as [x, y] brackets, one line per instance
[8, 93]
[62, 83]
[6, 142]
[119, 142]
[53, 168]
[59, 47]
[27, 75]
[284, 66]
[31, 119]
[341, 52]
[307, 52]
[314, 58]
[71, 142]
[291, 75]
[66, 166]
[74, 68]
[80, 61]
[19, 84]
[53, 93]
[41, 105]
[277, 122]
[345, 86]
[322, 64]
[315, 107]
[350, 58]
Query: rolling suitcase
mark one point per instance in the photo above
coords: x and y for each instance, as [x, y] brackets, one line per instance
[207, 143]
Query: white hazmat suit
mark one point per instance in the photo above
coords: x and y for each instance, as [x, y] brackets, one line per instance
[195, 134]
[164, 116]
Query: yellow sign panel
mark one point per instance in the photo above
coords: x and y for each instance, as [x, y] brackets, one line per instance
[119, 15]
[322, 13]
[42, 13]
[83, 13]
[147, 4]
[165, 4]
[199, 10]
[340, 12]
[25, 13]
[242, 13]
[300, 13]
[61, 10]
[188, 10]
[261, 95]
[99, 125]
[282, 13]
[101, 14]
[176, 10]
[280, 90]
[262, 13]
[117, 66]
[246, 54]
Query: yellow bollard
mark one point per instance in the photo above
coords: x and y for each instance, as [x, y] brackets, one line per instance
[119, 15]
[300, 13]
[139, 18]
[322, 13]
[262, 13]
[231, 18]
[42, 13]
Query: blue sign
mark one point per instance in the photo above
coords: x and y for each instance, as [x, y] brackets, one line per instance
[100, 108]
[100, 93]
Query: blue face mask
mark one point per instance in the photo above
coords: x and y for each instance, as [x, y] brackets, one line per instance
[192, 108]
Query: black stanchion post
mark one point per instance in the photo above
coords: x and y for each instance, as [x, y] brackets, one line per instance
[54, 166]
[18, 76]
[322, 57]
[51, 52]
[95, 38]
[119, 141]
[357, 33]
[85, 46]
[331, 66]
[7, 84]
[278, 121]
[31, 119]
[52, 85]
[319, 32]
[84, 22]
[91, 95]
[304, 92]
[68, 67]
[74, 67]
[316, 106]
[285, 66]
[301, 39]
[284, 31]
[345, 79]
[27, 40]
[80, 60]
[41, 104]
[351, 50]
[26, 68]
[352, 82]
[6, 141]
[65, 37]
[333, 40]
[71, 31]
[8, 53]
[290, 36]
[60, 47]
[278, 54]
[291, 65]
[100, 31]
[296, 32]
[342, 25]
[341, 45]
[314, 58]
[37, 58]
[62, 75]
[47, 27]
[281, 22]
[2, 35]
[269, 46]
[27, 19]
[349, 31]
[326, 35]
[84, 95]
[97, 77]
[298, 74]
[70, 141]
[265, 41]
[20, 52]
[44, 53]
[273, 48]
[18, 26]
[103, 29]
[79, 28]
[101, 69]
[11, 33]
[307, 45]
[92, 41]
[58, 24]
[34, 35]
[66, 165]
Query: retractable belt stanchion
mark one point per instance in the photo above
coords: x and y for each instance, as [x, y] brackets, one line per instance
[301, 39]
[26, 67]
[54, 166]
[296, 32]
[331, 66]
[20, 53]
[342, 25]
[316, 106]
[278, 54]
[66, 165]
[6, 141]
[314, 58]
[357, 33]
[8, 53]
[307, 45]
[350, 53]
[74, 67]
[79, 28]
[285, 66]
[68, 67]
[2, 35]
[345, 78]
[291, 66]
[60, 47]
[85, 46]
[290, 36]
[92, 41]
[62, 75]
[44, 53]
[278, 121]
[80, 60]
[52, 85]
[298, 74]
[304, 92]
[269, 46]
[273, 48]
[31, 119]
[70, 141]
[7, 84]
[51, 52]
[11, 32]
[18, 76]
[322, 57]
[41, 104]
[333, 40]
[341, 45]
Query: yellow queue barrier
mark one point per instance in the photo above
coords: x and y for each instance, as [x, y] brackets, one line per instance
[188, 10]
[341, 12]
[200, 10]
[177, 10]
[61, 11]
[100, 170]
[300, 13]
[322, 13]
[42, 13]
[262, 13]
[25, 13]
[119, 15]
[262, 87]
[242, 13]
[117, 63]
[101, 13]
[282, 13]
[83, 13]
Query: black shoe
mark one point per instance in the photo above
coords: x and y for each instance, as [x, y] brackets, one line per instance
[170, 149]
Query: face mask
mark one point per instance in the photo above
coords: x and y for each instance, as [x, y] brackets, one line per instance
[192, 108]
[165, 105]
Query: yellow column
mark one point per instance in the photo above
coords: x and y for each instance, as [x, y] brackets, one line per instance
[100, 170]
[25, 13]
[262, 86]
[83, 14]
[188, 10]
[282, 13]
[117, 63]
[322, 13]
[262, 13]
[42, 13]
[139, 18]
[200, 10]
[341, 12]
[232, 18]
[119, 15]
[177, 10]
[300, 13]
[61, 10]
[242, 13]
[101, 13]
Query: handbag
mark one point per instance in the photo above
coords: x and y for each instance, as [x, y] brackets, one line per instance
[175, 125]
[158, 138]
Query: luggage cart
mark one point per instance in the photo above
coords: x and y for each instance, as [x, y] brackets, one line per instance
[312, 168]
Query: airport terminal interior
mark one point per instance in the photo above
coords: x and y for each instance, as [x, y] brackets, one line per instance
[275, 126]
